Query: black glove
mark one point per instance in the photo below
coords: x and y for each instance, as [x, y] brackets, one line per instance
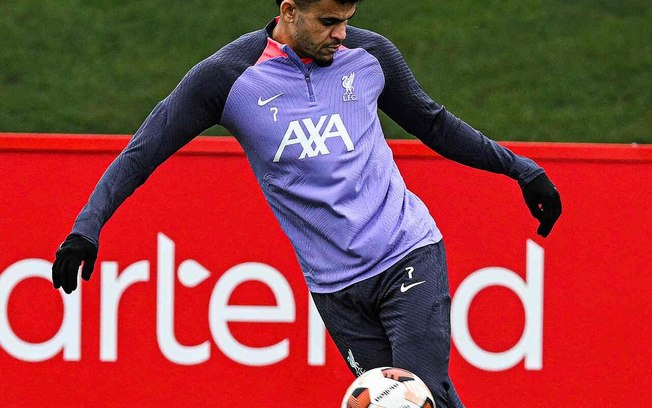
[69, 257]
[542, 198]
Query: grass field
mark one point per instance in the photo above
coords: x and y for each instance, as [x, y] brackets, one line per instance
[555, 70]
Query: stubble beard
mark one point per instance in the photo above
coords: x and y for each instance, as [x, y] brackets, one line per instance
[320, 60]
[324, 62]
[305, 43]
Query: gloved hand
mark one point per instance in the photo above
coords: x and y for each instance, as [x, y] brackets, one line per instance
[69, 257]
[542, 198]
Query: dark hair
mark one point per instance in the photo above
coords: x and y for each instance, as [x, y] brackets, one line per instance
[302, 3]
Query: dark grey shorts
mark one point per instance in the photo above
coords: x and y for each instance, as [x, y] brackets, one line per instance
[399, 318]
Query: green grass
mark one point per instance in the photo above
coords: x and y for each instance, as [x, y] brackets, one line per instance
[574, 70]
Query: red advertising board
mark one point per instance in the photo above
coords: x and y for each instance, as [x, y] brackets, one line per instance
[197, 298]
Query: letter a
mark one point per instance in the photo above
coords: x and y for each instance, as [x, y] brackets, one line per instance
[68, 338]
[335, 128]
[293, 129]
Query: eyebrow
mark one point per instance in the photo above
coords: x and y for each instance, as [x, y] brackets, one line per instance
[337, 20]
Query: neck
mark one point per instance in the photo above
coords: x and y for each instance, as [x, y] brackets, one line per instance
[281, 33]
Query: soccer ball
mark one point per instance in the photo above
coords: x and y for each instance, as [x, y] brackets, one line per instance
[388, 387]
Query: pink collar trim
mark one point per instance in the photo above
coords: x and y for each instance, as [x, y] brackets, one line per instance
[274, 49]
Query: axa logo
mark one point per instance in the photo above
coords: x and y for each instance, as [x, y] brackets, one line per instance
[313, 136]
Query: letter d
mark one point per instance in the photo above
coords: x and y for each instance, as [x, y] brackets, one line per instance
[530, 292]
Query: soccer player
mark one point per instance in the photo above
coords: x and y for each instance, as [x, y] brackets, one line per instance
[301, 97]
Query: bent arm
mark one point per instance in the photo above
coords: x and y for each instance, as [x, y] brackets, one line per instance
[407, 104]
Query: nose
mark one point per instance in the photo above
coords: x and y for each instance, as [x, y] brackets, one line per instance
[339, 32]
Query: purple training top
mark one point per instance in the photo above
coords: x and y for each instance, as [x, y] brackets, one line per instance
[314, 141]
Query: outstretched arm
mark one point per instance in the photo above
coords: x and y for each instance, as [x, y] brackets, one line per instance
[196, 104]
[193, 106]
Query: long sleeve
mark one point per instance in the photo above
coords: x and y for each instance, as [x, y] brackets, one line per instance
[407, 104]
[196, 104]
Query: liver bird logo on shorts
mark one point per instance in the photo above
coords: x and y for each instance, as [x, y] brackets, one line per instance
[354, 364]
[347, 84]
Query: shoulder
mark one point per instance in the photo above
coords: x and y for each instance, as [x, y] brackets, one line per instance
[233, 58]
[374, 43]
[247, 48]
[213, 76]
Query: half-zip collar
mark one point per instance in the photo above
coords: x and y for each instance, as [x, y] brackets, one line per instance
[298, 61]
[305, 65]
[305, 70]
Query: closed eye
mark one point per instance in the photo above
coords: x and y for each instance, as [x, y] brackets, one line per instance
[330, 22]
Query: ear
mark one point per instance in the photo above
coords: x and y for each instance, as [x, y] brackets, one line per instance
[289, 11]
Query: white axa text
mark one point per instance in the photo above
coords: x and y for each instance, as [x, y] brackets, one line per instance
[316, 143]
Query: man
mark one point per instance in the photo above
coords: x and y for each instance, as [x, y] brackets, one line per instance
[301, 97]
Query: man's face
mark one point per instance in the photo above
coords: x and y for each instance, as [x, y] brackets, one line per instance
[320, 28]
